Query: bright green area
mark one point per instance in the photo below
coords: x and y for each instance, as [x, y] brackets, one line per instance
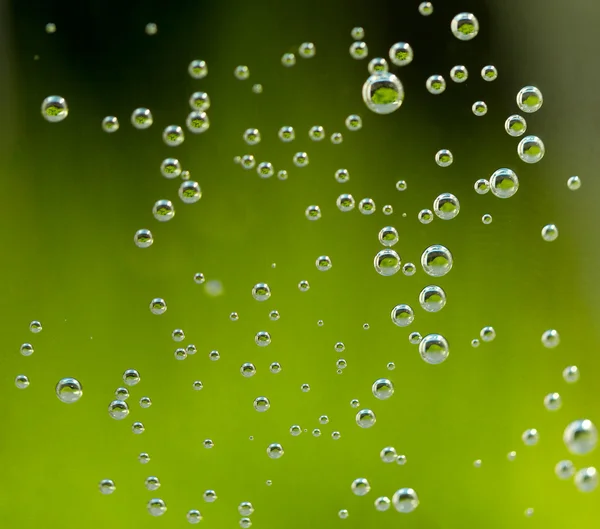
[74, 196]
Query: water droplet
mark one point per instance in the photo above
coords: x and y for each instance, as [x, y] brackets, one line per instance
[241, 72]
[434, 349]
[444, 158]
[511, 456]
[387, 262]
[354, 403]
[144, 458]
[193, 516]
[300, 159]
[475, 342]
[465, 26]
[110, 124]
[122, 393]
[479, 108]
[197, 122]
[145, 402]
[54, 109]
[345, 202]
[107, 486]
[275, 451]
[552, 401]
[367, 206]
[248, 370]
[131, 377]
[152, 483]
[435, 84]
[489, 73]
[286, 134]
[425, 8]
[282, 174]
[189, 192]
[383, 93]
[199, 101]
[50, 27]
[337, 138]
[251, 136]
[143, 238]
[353, 122]
[365, 418]
[531, 149]
[157, 507]
[265, 170]
[208, 444]
[305, 388]
[446, 206]
[359, 50]
[274, 315]
[26, 349]
[530, 99]
[288, 60]
[409, 269]
[118, 409]
[360, 487]
[141, 118]
[303, 286]
[261, 292]
[306, 50]
[323, 263]
[436, 260]
[316, 133]
[262, 338]
[432, 298]
[378, 65]
[586, 479]
[549, 232]
[401, 185]
[402, 315]
[69, 390]
[574, 183]
[401, 460]
[405, 500]
[504, 183]
[198, 69]
[515, 125]
[342, 176]
[173, 135]
[482, 186]
[415, 338]
[570, 374]
[580, 437]
[486, 218]
[357, 33]
[151, 28]
[487, 333]
[313, 212]
[530, 437]
[197, 385]
[343, 513]
[214, 355]
[163, 210]
[388, 236]
[382, 388]
[209, 496]
[257, 88]
[295, 430]
[388, 454]
[22, 381]
[170, 168]
[477, 463]
[550, 338]
[564, 469]
[158, 306]
[459, 73]
[401, 53]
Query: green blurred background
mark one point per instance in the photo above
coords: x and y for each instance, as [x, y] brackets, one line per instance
[73, 196]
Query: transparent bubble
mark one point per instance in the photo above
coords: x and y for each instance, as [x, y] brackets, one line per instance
[241, 72]
[434, 349]
[530, 437]
[137, 428]
[197, 122]
[261, 292]
[141, 118]
[365, 418]
[425, 8]
[214, 355]
[435, 84]
[564, 469]
[549, 232]
[415, 338]
[401, 460]
[341, 363]
[275, 451]
[465, 26]
[504, 183]
[173, 135]
[531, 149]
[581, 437]
[257, 88]
[295, 430]
[107, 486]
[191, 349]
[402, 315]
[459, 73]
[401, 185]
[286, 134]
[261, 404]
[409, 269]
[152, 483]
[444, 158]
[446, 206]
[288, 59]
[359, 50]
[432, 298]
[378, 65]
[316, 133]
[475, 342]
[388, 454]
[401, 53]
[189, 192]
[367, 206]
[144, 458]
[158, 306]
[209, 496]
[251, 136]
[515, 125]
[382, 388]
[387, 209]
[198, 69]
[482, 186]
[265, 170]
[316, 432]
[357, 33]
[121, 393]
[313, 212]
[571, 374]
[390, 366]
[486, 218]
[151, 28]
[479, 108]
[387, 262]
[50, 27]
[511, 456]
[489, 73]
[425, 216]
[208, 444]
[300, 159]
[110, 124]
[360, 487]
[552, 401]
[353, 122]
[275, 368]
[69, 390]
[282, 174]
[118, 409]
[199, 278]
[354, 403]
[342, 176]
[323, 263]
[26, 349]
[22, 381]
[574, 183]
[199, 101]
[305, 388]
[54, 109]
[143, 238]
[550, 338]
[487, 334]
[193, 516]
[157, 507]
[247, 161]
[405, 500]
[337, 138]
[477, 463]
[180, 354]
[197, 385]
[383, 93]
[437, 260]
[307, 50]
[586, 479]
[170, 168]
[145, 402]
[262, 338]
[345, 202]
[131, 377]
[274, 315]
[388, 236]
[303, 285]
[163, 210]
[343, 513]
[530, 99]
[336, 435]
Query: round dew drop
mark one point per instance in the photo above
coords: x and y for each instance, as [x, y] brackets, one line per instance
[69, 390]
[530, 99]
[365, 418]
[387, 262]
[489, 73]
[465, 26]
[401, 53]
[580, 437]
[402, 315]
[434, 349]
[459, 73]
[435, 84]
[446, 206]
[436, 260]
[383, 93]
[504, 183]
[110, 124]
[141, 118]
[54, 109]
[515, 125]
[531, 149]
[405, 500]
[359, 50]
[378, 65]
